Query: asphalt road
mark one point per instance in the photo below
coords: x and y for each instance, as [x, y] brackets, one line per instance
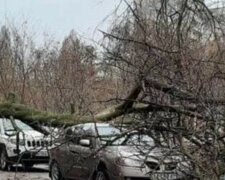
[39, 172]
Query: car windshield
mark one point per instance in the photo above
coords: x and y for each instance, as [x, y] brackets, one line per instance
[134, 140]
[8, 126]
[137, 140]
[109, 133]
[105, 131]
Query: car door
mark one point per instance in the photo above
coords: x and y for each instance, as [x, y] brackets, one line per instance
[83, 159]
[60, 153]
[70, 158]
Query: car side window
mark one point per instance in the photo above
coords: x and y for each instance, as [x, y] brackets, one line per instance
[77, 140]
[75, 135]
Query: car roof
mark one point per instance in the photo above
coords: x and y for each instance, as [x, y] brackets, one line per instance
[93, 125]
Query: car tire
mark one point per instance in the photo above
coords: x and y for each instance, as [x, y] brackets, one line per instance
[55, 172]
[101, 175]
[27, 166]
[4, 164]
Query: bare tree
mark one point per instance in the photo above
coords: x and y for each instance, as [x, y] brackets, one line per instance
[173, 51]
[167, 60]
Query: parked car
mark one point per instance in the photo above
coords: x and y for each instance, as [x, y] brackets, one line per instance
[27, 147]
[100, 152]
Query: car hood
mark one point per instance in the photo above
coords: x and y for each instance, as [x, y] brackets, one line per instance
[142, 153]
[33, 134]
[29, 134]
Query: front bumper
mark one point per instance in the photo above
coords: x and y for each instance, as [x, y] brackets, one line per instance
[134, 173]
[27, 156]
[24, 154]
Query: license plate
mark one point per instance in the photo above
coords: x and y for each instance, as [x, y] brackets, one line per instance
[42, 153]
[164, 176]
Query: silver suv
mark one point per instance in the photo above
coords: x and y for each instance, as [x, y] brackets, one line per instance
[27, 146]
[100, 152]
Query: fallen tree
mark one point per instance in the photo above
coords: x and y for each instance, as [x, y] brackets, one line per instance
[35, 117]
[177, 94]
[129, 105]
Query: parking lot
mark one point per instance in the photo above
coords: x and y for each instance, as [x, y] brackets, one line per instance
[39, 172]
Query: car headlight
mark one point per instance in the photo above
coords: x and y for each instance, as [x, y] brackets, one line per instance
[123, 161]
[21, 141]
[185, 166]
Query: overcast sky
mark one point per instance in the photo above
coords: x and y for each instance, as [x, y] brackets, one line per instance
[59, 17]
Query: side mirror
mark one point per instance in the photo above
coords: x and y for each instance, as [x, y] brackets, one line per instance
[85, 142]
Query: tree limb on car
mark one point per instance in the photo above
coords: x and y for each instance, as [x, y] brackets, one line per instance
[130, 105]
[35, 117]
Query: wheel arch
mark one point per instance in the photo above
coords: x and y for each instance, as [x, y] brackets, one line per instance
[51, 162]
[7, 164]
[3, 146]
[101, 165]
[50, 166]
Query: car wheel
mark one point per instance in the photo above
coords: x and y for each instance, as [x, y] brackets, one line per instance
[28, 166]
[101, 175]
[4, 164]
[55, 172]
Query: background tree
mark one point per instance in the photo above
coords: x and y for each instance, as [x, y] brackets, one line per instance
[173, 51]
[162, 71]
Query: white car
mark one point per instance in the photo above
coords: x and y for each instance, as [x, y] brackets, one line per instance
[26, 146]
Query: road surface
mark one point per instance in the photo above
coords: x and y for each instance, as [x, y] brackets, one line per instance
[39, 172]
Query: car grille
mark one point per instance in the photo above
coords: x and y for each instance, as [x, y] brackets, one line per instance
[38, 143]
[153, 165]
